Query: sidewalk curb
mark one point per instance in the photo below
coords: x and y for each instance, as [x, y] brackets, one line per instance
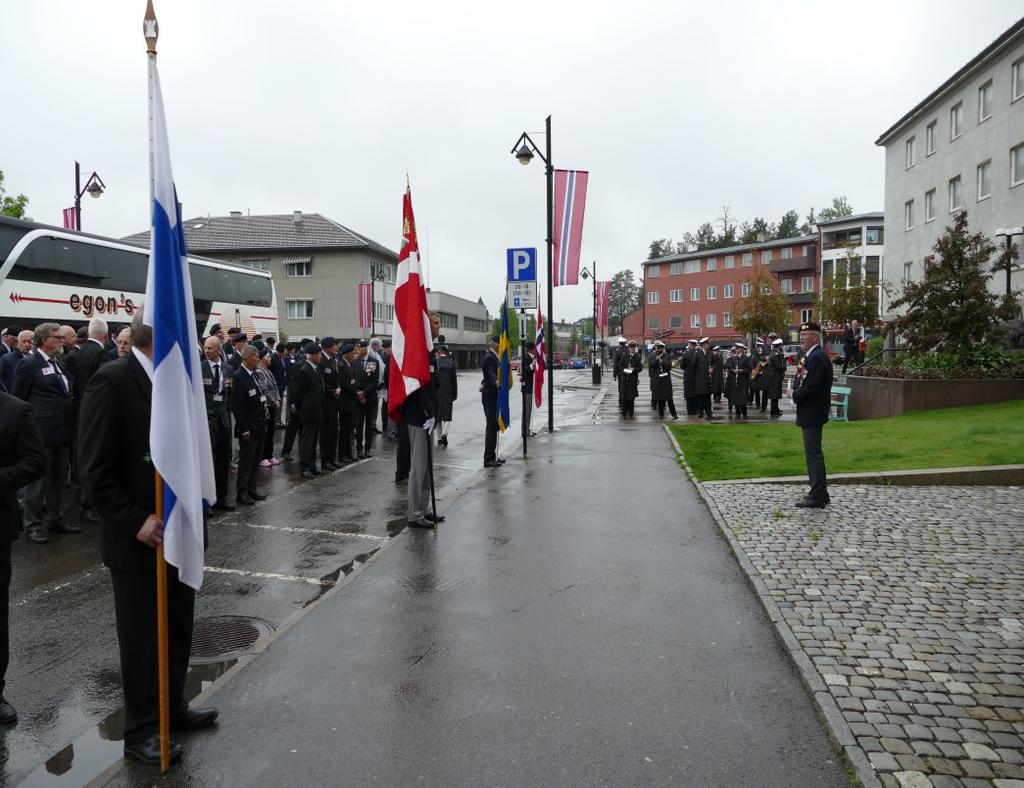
[999, 475]
[836, 727]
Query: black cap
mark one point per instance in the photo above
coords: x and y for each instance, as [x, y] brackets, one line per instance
[328, 342]
[240, 338]
[495, 338]
[347, 348]
[809, 326]
[386, 343]
[362, 343]
[310, 348]
[257, 336]
[233, 330]
[215, 328]
[264, 351]
[531, 345]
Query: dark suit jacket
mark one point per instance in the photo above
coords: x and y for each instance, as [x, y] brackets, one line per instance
[8, 365]
[36, 383]
[114, 465]
[87, 360]
[347, 381]
[22, 459]
[422, 403]
[813, 397]
[248, 404]
[366, 376]
[489, 395]
[218, 414]
[307, 394]
[329, 373]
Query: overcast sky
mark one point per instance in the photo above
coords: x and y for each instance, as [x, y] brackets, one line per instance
[322, 106]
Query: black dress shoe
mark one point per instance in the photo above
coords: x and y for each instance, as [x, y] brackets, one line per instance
[347, 459]
[401, 478]
[421, 522]
[244, 499]
[223, 506]
[811, 503]
[38, 536]
[492, 464]
[308, 474]
[500, 461]
[257, 496]
[65, 528]
[336, 465]
[438, 519]
[361, 456]
[367, 455]
[193, 719]
[148, 750]
[7, 713]
[88, 516]
[287, 457]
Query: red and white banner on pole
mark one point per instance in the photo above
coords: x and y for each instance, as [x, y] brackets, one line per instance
[601, 303]
[542, 360]
[570, 200]
[366, 305]
[69, 218]
[411, 342]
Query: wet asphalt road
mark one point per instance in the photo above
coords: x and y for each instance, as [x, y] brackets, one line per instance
[576, 621]
[268, 562]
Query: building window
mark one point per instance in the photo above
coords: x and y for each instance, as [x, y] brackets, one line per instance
[766, 289]
[712, 263]
[1017, 165]
[711, 320]
[675, 268]
[653, 322]
[787, 253]
[727, 319]
[475, 324]
[787, 285]
[956, 198]
[929, 138]
[448, 320]
[984, 180]
[929, 206]
[712, 292]
[908, 215]
[807, 284]
[806, 315]
[384, 312]
[676, 321]
[695, 294]
[956, 121]
[387, 269]
[730, 261]
[911, 152]
[693, 266]
[654, 297]
[985, 102]
[766, 256]
[748, 259]
[653, 271]
[1018, 79]
[694, 321]
[729, 291]
[745, 289]
[907, 269]
[675, 296]
[298, 267]
[875, 236]
[259, 263]
[299, 308]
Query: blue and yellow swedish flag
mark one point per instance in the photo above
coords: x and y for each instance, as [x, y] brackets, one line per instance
[504, 371]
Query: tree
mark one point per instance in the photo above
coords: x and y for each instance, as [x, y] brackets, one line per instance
[660, 248]
[1009, 304]
[703, 239]
[623, 298]
[765, 309]
[952, 303]
[513, 328]
[846, 294]
[11, 206]
[840, 207]
[810, 222]
[750, 230]
[789, 225]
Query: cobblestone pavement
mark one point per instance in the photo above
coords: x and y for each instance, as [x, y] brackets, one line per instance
[909, 604]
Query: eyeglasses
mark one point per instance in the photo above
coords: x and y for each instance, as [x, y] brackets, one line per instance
[53, 336]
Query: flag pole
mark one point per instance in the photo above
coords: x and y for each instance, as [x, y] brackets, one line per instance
[150, 30]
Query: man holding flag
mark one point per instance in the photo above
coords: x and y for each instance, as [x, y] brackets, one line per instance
[494, 391]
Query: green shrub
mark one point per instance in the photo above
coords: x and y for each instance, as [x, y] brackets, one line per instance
[985, 362]
[875, 346]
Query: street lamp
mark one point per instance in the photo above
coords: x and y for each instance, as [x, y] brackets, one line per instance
[524, 150]
[595, 375]
[1009, 251]
[93, 187]
[377, 276]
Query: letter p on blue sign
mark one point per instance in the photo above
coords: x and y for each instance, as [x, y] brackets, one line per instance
[522, 265]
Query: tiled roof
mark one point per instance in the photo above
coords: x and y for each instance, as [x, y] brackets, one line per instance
[276, 232]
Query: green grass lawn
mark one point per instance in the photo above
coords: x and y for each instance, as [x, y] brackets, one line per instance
[976, 435]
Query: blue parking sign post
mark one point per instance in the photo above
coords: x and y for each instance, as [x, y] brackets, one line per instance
[522, 264]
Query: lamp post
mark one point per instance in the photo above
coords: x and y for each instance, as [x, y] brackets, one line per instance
[94, 186]
[595, 366]
[524, 150]
[1009, 250]
[377, 276]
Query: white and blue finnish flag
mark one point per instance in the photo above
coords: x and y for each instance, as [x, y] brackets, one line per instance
[179, 438]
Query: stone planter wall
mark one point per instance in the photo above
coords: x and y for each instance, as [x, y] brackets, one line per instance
[879, 398]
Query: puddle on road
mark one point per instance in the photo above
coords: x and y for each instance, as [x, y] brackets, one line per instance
[97, 749]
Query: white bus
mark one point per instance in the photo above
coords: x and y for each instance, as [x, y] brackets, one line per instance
[68, 277]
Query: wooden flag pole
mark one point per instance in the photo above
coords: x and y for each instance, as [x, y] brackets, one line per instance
[161, 638]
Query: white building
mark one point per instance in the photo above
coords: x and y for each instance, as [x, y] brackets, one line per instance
[962, 147]
[859, 242]
[465, 326]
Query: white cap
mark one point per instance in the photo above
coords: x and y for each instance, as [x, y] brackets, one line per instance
[703, 340]
[776, 342]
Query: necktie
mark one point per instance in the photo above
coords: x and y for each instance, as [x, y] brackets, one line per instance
[60, 375]
[216, 378]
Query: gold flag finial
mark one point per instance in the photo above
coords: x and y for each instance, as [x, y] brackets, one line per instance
[150, 28]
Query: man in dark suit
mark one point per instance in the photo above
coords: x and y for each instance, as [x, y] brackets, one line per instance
[249, 406]
[347, 402]
[367, 376]
[117, 473]
[489, 399]
[813, 399]
[419, 411]
[42, 383]
[329, 426]
[294, 425]
[306, 402]
[22, 461]
[216, 374]
[90, 356]
[9, 363]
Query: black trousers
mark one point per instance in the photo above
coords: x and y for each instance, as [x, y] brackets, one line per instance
[366, 416]
[249, 451]
[220, 438]
[703, 405]
[50, 488]
[815, 458]
[491, 432]
[383, 416]
[671, 406]
[691, 405]
[5, 594]
[307, 443]
[403, 457]
[329, 431]
[628, 404]
[135, 611]
[775, 410]
[268, 436]
[346, 418]
[290, 432]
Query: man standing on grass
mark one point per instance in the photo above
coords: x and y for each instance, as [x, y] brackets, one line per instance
[813, 399]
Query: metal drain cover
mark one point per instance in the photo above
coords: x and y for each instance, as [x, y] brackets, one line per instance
[222, 638]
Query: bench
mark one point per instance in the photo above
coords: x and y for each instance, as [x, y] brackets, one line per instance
[840, 403]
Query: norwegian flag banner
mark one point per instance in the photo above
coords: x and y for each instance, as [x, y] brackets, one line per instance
[365, 305]
[69, 218]
[570, 200]
[542, 360]
[601, 303]
[411, 342]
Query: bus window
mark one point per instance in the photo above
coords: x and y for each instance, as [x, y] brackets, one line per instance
[9, 237]
[254, 290]
[60, 261]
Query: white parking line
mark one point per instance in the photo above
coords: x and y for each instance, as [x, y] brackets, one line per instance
[295, 530]
[315, 581]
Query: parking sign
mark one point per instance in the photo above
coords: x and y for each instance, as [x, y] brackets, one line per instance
[522, 265]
